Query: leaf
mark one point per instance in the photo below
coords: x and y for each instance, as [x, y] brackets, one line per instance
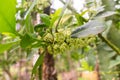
[6, 46]
[37, 44]
[86, 66]
[84, 12]
[89, 3]
[38, 63]
[55, 16]
[66, 20]
[9, 34]
[109, 25]
[61, 15]
[76, 56]
[114, 63]
[40, 28]
[91, 28]
[105, 14]
[45, 19]
[28, 25]
[26, 41]
[7, 16]
[80, 19]
[30, 9]
[100, 9]
[118, 58]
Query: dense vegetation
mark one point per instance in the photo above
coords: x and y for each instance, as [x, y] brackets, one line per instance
[41, 43]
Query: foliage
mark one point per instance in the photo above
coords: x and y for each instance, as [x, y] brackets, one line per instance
[65, 32]
[7, 16]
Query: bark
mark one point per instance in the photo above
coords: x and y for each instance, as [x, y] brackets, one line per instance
[48, 70]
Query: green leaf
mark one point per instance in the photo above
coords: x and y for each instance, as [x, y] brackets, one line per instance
[38, 63]
[118, 58]
[40, 28]
[114, 63]
[84, 12]
[45, 19]
[76, 56]
[6, 46]
[93, 27]
[9, 34]
[28, 25]
[38, 44]
[67, 19]
[26, 41]
[55, 16]
[80, 19]
[85, 65]
[7, 16]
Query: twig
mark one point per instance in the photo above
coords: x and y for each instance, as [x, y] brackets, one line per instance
[117, 50]
[61, 15]
[69, 7]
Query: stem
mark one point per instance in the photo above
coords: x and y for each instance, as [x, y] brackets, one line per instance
[117, 50]
[61, 15]
[48, 69]
[69, 7]
[72, 9]
[40, 72]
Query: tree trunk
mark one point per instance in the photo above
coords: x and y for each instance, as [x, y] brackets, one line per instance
[48, 70]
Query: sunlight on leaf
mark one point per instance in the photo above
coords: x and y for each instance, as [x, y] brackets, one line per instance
[7, 15]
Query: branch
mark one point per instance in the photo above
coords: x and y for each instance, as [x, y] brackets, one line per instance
[117, 50]
[69, 7]
[61, 15]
